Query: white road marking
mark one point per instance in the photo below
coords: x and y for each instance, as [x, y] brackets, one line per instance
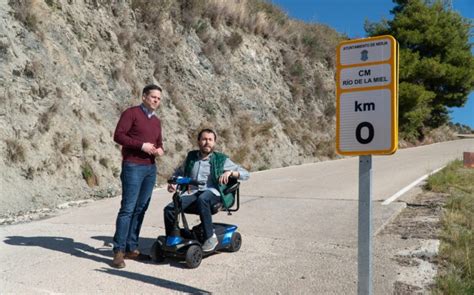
[409, 187]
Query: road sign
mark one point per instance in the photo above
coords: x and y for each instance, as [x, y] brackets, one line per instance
[367, 96]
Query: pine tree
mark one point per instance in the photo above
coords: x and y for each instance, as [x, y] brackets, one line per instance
[436, 63]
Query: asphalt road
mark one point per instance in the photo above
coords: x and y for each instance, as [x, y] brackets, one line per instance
[298, 225]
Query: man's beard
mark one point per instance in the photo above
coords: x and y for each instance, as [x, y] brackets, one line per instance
[204, 152]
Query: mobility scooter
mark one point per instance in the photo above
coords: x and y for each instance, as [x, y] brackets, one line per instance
[186, 244]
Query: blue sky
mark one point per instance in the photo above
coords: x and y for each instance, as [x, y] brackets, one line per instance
[348, 17]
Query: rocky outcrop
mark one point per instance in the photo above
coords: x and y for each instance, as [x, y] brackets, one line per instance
[69, 67]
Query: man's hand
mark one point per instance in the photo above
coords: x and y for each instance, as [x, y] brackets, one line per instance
[158, 152]
[224, 178]
[148, 148]
[171, 188]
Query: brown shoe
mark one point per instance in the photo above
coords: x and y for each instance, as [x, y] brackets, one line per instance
[118, 261]
[136, 255]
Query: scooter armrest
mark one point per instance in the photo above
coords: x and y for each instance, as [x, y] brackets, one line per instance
[232, 188]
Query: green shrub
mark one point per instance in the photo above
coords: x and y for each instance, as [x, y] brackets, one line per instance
[89, 175]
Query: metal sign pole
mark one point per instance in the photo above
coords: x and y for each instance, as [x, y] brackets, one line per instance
[364, 259]
[366, 124]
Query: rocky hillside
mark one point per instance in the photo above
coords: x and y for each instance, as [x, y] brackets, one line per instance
[69, 67]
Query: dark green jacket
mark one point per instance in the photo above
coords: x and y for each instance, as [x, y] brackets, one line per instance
[217, 161]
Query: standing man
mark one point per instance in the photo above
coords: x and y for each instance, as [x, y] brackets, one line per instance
[139, 133]
[212, 168]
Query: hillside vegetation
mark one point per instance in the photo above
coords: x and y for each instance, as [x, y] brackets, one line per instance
[68, 68]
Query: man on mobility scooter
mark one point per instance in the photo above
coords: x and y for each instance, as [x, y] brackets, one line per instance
[209, 173]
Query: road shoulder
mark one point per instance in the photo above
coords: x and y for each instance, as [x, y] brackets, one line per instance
[415, 236]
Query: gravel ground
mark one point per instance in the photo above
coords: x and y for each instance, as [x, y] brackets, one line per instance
[418, 225]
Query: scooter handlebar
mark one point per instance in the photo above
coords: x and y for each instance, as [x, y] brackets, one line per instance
[180, 180]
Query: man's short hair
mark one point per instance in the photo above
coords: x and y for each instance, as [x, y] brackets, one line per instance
[207, 130]
[151, 87]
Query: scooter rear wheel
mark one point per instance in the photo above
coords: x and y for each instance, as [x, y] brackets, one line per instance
[193, 256]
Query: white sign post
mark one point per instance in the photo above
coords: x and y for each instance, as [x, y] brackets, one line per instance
[366, 124]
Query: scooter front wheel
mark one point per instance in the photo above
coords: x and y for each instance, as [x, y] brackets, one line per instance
[193, 256]
[235, 242]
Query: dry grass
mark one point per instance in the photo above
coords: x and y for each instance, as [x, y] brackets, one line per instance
[44, 120]
[440, 134]
[16, 152]
[263, 129]
[216, 51]
[251, 16]
[66, 148]
[127, 39]
[24, 11]
[62, 143]
[4, 45]
[307, 43]
[225, 134]
[256, 17]
[117, 73]
[85, 143]
[265, 19]
[330, 109]
[290, 126]
[326, 148]
[29, 173]
[234, 40]
[245, 126]
[33, 69]
[3, 97]
[241, 155]
[456, 272]
[77, 113]
[59, 92]
[94, 117]
[152, 15]
[304, 44]
[104, 162]
[176, 98]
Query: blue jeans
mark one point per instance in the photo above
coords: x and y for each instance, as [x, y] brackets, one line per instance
[199, 203]
[138, 181]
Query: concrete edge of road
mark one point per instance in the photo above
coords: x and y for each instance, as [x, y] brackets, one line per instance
[391, 218]
[403, 195]
[45, 213]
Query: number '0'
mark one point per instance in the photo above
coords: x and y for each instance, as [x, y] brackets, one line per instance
[370, 129]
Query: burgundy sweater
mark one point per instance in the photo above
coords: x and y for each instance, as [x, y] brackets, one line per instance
[135, 128]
